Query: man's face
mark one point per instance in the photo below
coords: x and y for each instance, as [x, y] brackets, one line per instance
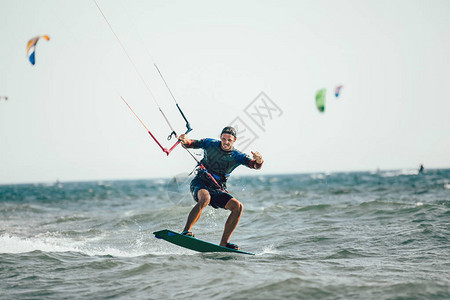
[226, 141]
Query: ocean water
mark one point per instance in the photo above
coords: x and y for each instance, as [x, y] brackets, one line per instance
[361, 235]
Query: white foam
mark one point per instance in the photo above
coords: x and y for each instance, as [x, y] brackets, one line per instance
[447, 186]
[14, 244]
[318, 176]
[268, 250]
[404, 172]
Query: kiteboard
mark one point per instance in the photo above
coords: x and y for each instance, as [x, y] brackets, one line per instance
[193, 243]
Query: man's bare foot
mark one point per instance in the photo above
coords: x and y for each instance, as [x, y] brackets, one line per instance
[187, 233]
[232, 246]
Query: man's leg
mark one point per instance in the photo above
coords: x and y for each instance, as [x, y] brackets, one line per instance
[203, 201]
[236, 208]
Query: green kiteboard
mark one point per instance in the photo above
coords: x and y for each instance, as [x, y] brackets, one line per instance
[193, 243]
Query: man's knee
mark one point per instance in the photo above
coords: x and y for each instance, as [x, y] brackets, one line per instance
[203, 198]
[234, 205]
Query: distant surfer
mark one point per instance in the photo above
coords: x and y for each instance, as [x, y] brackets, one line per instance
[421, 169]
[220, 159]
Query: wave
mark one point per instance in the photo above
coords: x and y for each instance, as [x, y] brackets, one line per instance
[315, 207]
[403, 172]
[14, 244]
[284, 288]
[346, 253]
[10, 244]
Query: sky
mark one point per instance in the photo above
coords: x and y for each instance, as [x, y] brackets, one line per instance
[253, 64]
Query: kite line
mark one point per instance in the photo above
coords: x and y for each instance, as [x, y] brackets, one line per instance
[173, 132]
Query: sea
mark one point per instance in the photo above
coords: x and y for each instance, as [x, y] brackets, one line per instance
[355, 235]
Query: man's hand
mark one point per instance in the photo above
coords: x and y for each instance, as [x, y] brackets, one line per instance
[257, 157]
[183, 139]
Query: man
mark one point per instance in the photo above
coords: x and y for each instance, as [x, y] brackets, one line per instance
[220, 159]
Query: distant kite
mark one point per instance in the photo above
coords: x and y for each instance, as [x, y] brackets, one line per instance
[31, 47]
[3, 97]
[337, 90]
[320, 100]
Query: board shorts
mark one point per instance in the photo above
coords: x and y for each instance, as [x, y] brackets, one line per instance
[219, 198]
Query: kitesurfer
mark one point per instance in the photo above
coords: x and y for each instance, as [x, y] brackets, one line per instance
[220, 159]
[421, 169]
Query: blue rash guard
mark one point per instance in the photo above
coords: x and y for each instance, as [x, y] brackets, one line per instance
[220, 164]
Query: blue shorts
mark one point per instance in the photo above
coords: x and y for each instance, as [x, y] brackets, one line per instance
[219, 198]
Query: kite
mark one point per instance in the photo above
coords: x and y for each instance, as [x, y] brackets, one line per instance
[31, 47]
[337, 90]
[320, 100]
[4, 97]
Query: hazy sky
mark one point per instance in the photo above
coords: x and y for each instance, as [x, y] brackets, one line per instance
[64, 118]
